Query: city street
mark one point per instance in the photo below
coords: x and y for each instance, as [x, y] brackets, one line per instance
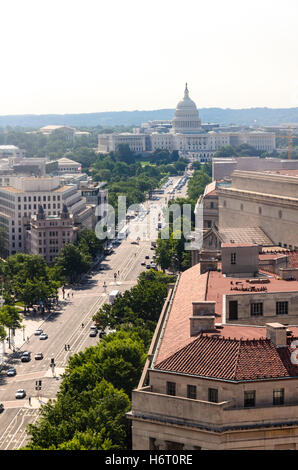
[64, 327]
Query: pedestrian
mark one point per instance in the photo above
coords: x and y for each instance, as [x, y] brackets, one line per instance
[65, 347]
[72, 294]
[30, 401]
[27, 339]
[68, 348]
[82, 325]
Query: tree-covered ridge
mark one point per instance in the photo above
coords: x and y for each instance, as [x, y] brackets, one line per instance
[223, 116]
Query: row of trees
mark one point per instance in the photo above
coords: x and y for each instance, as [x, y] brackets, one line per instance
[9, 318]
[89, 413]
[76, 259]
[242, 150]
[28, 279]
[127, 174]
[170, 250]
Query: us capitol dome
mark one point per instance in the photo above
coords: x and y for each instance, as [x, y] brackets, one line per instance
[186, 118]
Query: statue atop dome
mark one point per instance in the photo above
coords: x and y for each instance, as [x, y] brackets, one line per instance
[186, 92]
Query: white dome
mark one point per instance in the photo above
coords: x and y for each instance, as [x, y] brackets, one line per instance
[186, 119]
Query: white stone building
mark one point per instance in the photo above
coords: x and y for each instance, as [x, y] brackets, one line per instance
[187, 135]
[11, 151]
[20, 201]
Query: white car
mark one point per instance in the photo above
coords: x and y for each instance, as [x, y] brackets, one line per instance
[43, 336]
[20, 393]
[38, 332]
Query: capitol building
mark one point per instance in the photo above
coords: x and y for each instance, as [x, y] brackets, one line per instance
[184, 133]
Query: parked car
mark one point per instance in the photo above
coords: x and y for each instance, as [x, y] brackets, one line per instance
[147, 257]
[143, 263]
[38, 356]
[38, 332]
[20, 393]
[26, 356]
[43, 336]
[148, 266]
[11, 372]
[93, 331]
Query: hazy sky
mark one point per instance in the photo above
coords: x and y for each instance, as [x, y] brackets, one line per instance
[70, 56]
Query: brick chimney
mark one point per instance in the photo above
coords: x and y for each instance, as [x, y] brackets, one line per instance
[202, 318]
[277, 333]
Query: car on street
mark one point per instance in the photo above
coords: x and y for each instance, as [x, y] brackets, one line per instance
[11, 372]
[38, 356]
[93, 331]
[25, 357]
[1, 407]
[143, 263]
[43, 336]
[38, 332]
[148, 266]
[20, 393]
[147, 257]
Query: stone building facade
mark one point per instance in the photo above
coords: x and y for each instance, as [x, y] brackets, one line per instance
[215, 384]
[268, 200]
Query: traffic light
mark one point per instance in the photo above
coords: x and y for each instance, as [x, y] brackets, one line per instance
[38, 385]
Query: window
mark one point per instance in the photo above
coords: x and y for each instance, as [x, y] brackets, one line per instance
[233, 258]
[171, 388]
[192, 392]
[249, 398]
[279, 396]
[256, 310]
[233, 310]
[213, 395]
[281, 308]
[211, 205]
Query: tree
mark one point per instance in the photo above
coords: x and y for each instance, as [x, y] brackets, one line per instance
[9, 318]
[140, 306]
[99, 410]
[89, 242]
[29, 279]
[197, 184]
[124, 154]
[72, 261]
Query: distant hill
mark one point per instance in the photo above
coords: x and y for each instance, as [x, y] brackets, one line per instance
[262, 116]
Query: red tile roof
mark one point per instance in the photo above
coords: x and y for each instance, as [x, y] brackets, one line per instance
[211, 286]
[230, 359]
[293, 255]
